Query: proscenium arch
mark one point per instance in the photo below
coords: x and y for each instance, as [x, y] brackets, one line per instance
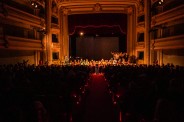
[89, 7]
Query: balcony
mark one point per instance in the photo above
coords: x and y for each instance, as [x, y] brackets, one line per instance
[173, 42]
[168, 5]
[167, 16]
[19, 43]
[13, 14]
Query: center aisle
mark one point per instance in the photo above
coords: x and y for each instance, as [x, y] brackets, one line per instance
[98, 107]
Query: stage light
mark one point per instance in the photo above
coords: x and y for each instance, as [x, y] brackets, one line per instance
[81, 33]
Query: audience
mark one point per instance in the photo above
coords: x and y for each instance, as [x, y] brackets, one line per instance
[42, 93]
[147, 93]
[48, 93]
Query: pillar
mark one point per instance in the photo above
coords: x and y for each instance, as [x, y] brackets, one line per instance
[48, 31]
[152, 52]
[65, 34]
[160, 56]
[37, 57]
[147, 31]
[134, 33]
[130, 32]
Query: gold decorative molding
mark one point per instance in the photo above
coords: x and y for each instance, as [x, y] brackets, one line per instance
[140, 45]
[56, 46]
[97, 7]
[130, 10]
[65, 11]
[141, 6]
[78, 7]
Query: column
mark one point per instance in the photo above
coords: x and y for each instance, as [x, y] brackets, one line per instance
[152, 52]
[48, 31]
[61, 55]
[147, 31]
[134, 32]
[65, 33]
[37, 57]
[130, 33]
[160, 57]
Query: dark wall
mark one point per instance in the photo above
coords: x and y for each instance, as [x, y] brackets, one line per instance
[101, 23]
[95, 48]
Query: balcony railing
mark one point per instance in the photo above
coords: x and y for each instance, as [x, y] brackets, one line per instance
[157, 9]
[18, 6]
[22, 32]
[174, 30]
[40, 12]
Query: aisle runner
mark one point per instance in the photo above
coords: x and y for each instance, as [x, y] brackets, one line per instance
[98, 107]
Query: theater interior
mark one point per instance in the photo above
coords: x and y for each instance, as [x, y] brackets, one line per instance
[91, 60]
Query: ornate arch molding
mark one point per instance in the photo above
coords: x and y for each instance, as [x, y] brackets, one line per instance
[83, 7]
[69, 7]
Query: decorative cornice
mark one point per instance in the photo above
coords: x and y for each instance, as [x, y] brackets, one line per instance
[100, 6]
[86, 2]
[97, 7]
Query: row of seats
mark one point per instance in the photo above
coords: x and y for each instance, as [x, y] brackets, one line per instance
[44, 93]
[147, 93]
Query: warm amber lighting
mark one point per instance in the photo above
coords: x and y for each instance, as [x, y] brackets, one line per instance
[81, 33]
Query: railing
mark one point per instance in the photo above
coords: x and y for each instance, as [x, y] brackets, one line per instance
[18, 6]
[157, 9]
[173, 30]
[22, 32]
[163, 32]
[37, 12]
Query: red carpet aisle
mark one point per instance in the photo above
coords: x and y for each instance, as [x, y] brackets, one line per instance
[98, 107]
